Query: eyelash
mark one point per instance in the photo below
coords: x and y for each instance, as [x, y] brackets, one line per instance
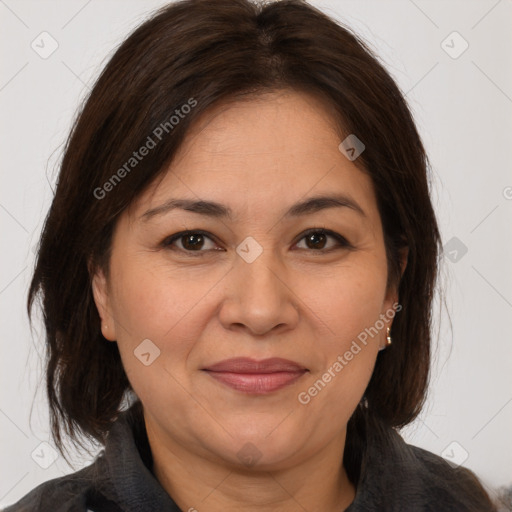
[343, 243]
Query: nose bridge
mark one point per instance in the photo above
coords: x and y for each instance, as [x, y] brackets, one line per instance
[259, 297]
[259, 271]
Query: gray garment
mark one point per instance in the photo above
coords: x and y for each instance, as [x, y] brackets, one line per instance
[395, 477]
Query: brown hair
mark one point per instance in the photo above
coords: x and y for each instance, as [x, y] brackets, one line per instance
[210, 52]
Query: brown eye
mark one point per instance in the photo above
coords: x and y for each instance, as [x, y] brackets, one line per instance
[317, 239]
[189, 241]
[192, 241]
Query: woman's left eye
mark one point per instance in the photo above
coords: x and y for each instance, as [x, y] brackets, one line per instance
[316, 236]
[194, 241]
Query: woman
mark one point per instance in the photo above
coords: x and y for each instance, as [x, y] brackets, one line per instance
[237, 273]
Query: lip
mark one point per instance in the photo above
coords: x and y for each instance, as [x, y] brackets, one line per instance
[248, 365]
[256, 377]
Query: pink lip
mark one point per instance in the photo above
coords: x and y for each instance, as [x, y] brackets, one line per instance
[257, 377]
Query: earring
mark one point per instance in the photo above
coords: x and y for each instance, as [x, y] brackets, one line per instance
[388, 340]
[388, 337]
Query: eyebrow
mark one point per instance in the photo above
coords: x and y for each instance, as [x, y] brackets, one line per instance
[217, 210]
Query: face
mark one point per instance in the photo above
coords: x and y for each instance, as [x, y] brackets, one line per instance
[256, 278]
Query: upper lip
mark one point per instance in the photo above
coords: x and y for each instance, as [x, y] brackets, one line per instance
[248, 365]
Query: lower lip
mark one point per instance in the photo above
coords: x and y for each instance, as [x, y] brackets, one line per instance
[257, 383]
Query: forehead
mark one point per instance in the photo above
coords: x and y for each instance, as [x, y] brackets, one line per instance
[278, 128]
[273, 149]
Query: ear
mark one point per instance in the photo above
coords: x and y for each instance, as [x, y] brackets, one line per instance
[404, 254]
[102, 300]
[392, 295]
[391, 304]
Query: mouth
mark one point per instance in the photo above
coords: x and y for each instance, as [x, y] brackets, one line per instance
[256, 377]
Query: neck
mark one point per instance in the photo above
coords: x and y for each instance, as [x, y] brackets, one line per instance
[196, 483]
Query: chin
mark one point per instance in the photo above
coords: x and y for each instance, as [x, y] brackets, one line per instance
[265, 450]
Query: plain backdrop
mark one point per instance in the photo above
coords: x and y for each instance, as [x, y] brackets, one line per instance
[462, 102]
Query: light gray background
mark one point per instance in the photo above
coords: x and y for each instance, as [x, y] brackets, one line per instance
[463, 109]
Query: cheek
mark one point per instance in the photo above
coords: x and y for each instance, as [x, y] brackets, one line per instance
[155, 301]
[351, 301]
[151, 300]
[150, 304]
[350, 307]
[331, 394]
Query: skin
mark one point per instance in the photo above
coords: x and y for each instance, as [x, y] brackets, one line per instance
[296, 300]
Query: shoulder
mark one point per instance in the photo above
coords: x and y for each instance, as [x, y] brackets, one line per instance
[74, 492]
[437, 469]
[397, 476]
[439, 485]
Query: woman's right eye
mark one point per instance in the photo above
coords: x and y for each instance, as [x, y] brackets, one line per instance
[188, 241]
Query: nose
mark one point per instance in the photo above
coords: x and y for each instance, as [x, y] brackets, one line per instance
[259, 298]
